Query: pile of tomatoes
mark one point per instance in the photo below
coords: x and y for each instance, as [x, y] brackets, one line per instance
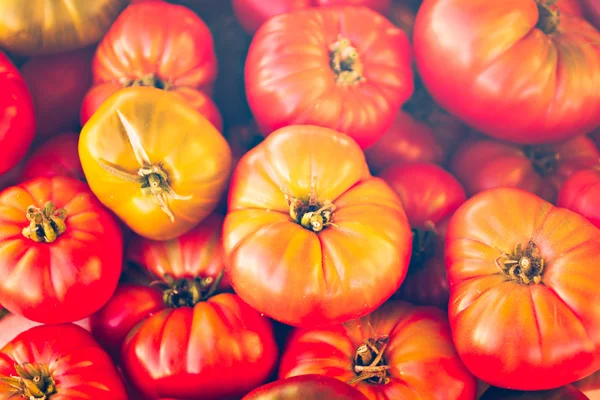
[299, 199]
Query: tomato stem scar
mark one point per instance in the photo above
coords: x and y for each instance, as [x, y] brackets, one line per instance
[524, 265]
[310, 214]
[45, 224]
[33, 381]
[369, 363]
[346, 63]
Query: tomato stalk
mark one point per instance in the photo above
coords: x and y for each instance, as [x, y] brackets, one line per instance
[151, 80]
[423, 247]
[544, 159]
[549, 16]
[524, 265]
[369, 362]
[45, 224]
[184, 292]
[310, 214]
[34, 381]
[345, 63]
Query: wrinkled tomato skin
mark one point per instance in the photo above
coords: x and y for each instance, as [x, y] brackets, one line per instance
[12, 325]
[57, 156]
[592, 11]
[568, 392]
[17, 119]
[581, 193]
[489, 308]
[305, 387]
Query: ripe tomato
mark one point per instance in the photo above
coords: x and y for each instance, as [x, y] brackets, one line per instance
[417, 361]
[550, 97]
[351, 76]
[17, 120]
[429, 195]
[153, 160]
[57, 156]
[518, 268]
[58, 84]
[61, 251]
[58, 362]
[484, 164]
[37, 27]
[159, 45]
[311, 238]
[306, 387]
[592, 11]
[581, 193]
[568, 392]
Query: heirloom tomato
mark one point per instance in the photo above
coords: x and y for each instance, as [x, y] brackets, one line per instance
[482, 164]
[57, 362]
[155, 161]
[429, 195]
[512, 69]
[400, 351]
[522, 278]
[344, 68]
[160, 45]
[592, 11]
[308, 387]
[581, 193]
[60, 250]
[17, 120]
[568, 392]
[57, 156]
[34, 27]
[311, 237]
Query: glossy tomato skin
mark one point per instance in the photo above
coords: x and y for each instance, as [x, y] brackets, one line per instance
[568, 392]
[482, 164]
[17, 119]
[57, 156]
[422, 360]
[549, 98]
[70, 278]
[286, 87]
[581, 193]
[185, 145]
[489, 307]
[306, 387]
[78, 365]
[592, 11]
[325, 277]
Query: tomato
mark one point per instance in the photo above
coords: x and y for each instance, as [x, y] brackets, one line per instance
[592, 11]
[551, 95]
[581, 193]
[429, 195]
[17, 120]
[344, 68]
[57, 156]
[154, 161]
[418, 359]
[311, 238]
[61, 251]
[485, 164]
[58, 84]
[39, 27]
[518, 268]
[568, 392]
[306, 387]
[59, 362]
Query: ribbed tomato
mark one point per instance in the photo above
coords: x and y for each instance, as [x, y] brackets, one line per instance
[306, 387]
[581, 193]
[57, 156]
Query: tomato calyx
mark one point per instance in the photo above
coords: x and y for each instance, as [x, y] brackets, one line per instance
[544, 159]
[45, 224]
[150, 80]
[345, 62]
[187, 292]
[370, 365]
[310, 214]
[152, 177]
[548, 16]
[34, 382]
[423, 247]
[523, 265]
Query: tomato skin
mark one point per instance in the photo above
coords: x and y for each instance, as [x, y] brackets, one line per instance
[486, 164]
[424, 364]
[65, 280]
[305, 387]
[17, 119]
[581, 193]
[299, 87]
[57, 156]
[549, 98]
[592, 11]
[568, 392]
[286, 260]
[80, 368]
[488, 308]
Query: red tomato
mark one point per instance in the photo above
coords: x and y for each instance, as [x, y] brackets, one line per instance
[418, 359]
[429, 195]
[592, 11]
[484, 164]
[518, 268]
[57, 156]
[344, 68]
[581, 193]
[568, 392]
[58, 84]
[306, 387]
[57, 362]
[551, 95]
[61, 251]
[17, 120]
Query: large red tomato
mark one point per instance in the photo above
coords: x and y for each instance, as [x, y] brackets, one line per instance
[486, 163]
[344, 68]
[512, 69]
[429, 195]
[592, 11]
[581, 193]
[308, 387]
[522, 275]
[311, 237]
[57, 156]
[568, 392]
[399, 351]
[60, 250]
[17, 120]
[57, 362]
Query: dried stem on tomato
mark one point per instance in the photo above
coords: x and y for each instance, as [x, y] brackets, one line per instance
[33, 381]
[548, 16]
[153, 178]
[370, 365]
[309, 213]
[345, 62]
[150, 80]
[523, 265]
[544, 159]
[185, 292]
[45, 224]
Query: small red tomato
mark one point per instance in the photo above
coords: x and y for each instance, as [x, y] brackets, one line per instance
[57, 156]
[581, 193]
[307, 387]
[568, 392]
